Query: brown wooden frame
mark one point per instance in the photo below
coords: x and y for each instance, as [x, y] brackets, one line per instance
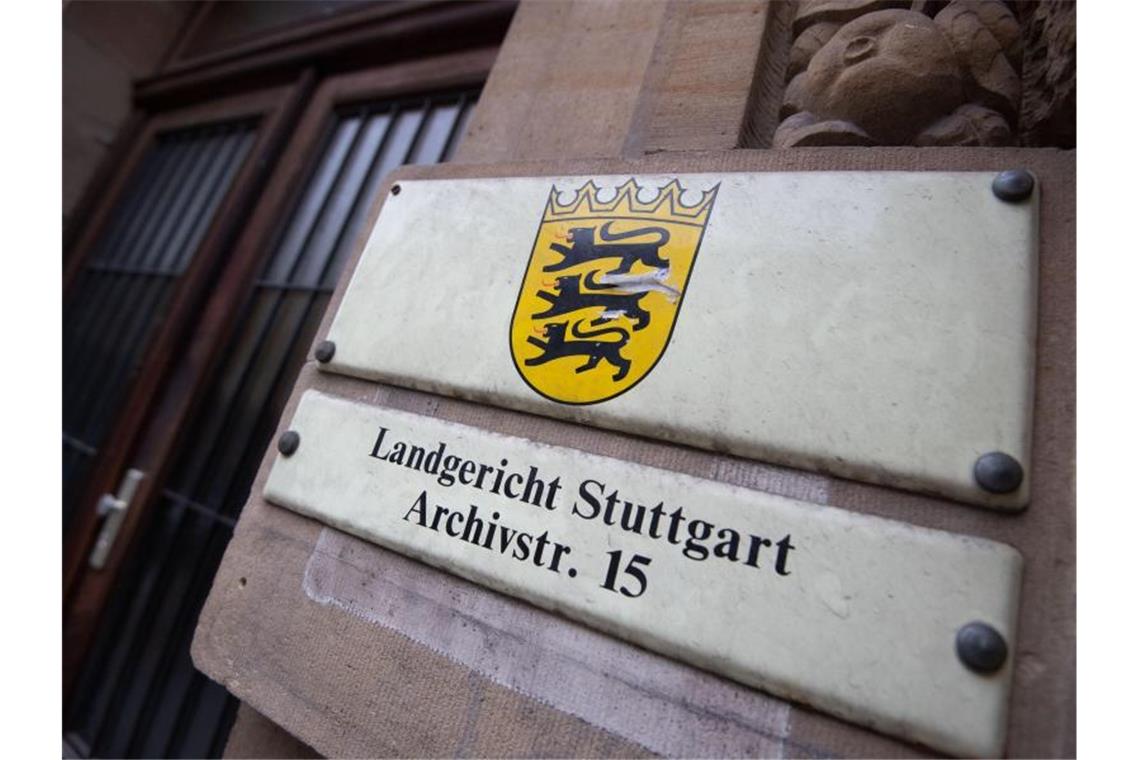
[382, 34]
[94, 194]
[266, 104]
[176, 386]
[84, 592]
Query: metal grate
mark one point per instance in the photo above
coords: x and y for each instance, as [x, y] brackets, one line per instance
[132, 271]
[140, 693]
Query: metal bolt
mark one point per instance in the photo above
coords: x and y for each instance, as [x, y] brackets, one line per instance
[980, 647]
[1013, 185]
[288, 442]
[325, 351]
[396, 189]
[998, 472]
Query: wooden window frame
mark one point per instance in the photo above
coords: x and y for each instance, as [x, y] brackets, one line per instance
[276, 109]
[173, 383]
[384, 34]
[266, 105]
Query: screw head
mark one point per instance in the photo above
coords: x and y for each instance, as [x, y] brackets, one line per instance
[980, 647]
[1013, 185]
[998, 472]
[324, 352]
[396, 189]
[288, 442]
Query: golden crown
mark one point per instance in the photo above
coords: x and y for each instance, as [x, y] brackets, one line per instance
[626, 203]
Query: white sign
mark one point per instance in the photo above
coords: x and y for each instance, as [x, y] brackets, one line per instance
[873, 325]
[853, 614]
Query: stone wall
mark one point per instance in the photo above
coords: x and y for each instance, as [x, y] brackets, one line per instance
[106, 46]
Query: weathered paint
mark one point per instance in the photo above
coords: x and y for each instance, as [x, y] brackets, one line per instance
[853, 614]
[874, 325]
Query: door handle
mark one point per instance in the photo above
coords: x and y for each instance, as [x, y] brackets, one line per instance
[114, 510]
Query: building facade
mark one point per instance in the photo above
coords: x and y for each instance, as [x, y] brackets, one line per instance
[224, 166]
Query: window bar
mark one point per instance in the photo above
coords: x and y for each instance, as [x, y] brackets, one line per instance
[178, 660]
[138, 637]
[117, 269]
[292, 287]
[195, 216]
[148, 296]
[394, 112]
[452, 134]
[222, 732]
[216, 709]
[210, 702]
[205, 154]
[191, 696]
[109, 322]
[192, 207]
[348, 228]
[193, 480]
[373, 130]
[198, 507]
[78, 345]
[166, 154]
[413, 146]
[120, 647]
[146, 293]
[308, 207]
[143, 627]
[218, 190]
[150, 606]
[307, 312]
[153, 294]
[207, 465]
[88, 332]
[135, 247]
[126, 215]
[127, 616]
[259, 434]
[91, 678]
[78, 445]
[129, 208]
[171, 652]
[120, 357]
[292, 346]
[270, 323]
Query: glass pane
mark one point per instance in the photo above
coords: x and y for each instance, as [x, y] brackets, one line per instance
[304, 217]
[140, 693]
[440, 122]
[123, 293]
[460, 129]
[340, 201]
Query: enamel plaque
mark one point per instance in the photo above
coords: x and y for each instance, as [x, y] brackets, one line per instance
[879, 326]
[855, 615]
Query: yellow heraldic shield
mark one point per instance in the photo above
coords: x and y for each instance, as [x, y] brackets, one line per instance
[603, 288]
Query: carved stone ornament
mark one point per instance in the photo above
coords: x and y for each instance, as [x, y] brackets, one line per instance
[1049, 75]
[869, 73]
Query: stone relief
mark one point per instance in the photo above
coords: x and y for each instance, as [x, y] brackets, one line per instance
[884, 72]
[1049, 74]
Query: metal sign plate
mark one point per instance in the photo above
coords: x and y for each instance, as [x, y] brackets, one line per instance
[874, 325]
[853, 614]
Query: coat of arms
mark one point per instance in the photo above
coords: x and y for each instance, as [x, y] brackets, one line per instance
[603, 288]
